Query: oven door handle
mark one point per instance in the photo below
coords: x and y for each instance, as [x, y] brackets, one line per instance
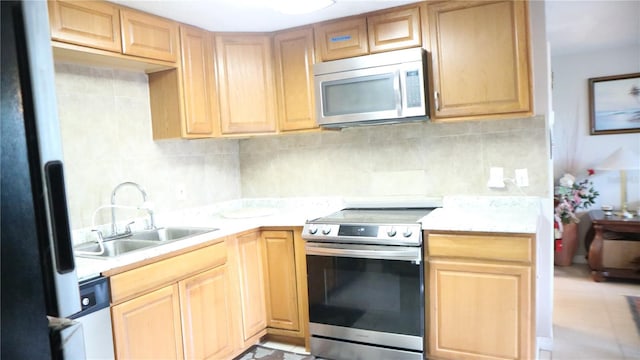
[370, 252]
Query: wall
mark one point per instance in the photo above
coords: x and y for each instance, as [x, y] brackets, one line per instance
[106, 133]
[574, 149]
[423, 159]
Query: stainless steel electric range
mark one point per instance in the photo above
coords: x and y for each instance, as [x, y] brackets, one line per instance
[366, 284]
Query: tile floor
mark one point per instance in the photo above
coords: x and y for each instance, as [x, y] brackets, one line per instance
[284, 347]
[591, 320]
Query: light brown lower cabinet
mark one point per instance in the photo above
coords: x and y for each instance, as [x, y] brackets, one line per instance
[148, 327]
[481, 296]
[194, 314]
[213, 302]
[209, 315]
[281, 289]
[285, 270]
[250, 277]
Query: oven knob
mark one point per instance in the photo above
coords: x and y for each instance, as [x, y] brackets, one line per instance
[326, 230]
[313, 229]
[407, 233]
[391, 232]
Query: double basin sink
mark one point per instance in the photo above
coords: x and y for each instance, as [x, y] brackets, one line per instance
[138, 241]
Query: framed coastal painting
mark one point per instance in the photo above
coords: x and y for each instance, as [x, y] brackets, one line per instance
[614, 104]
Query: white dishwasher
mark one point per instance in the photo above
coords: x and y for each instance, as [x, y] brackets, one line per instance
[95, 318]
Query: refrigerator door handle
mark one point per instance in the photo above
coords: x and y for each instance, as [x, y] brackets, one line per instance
[60, 233]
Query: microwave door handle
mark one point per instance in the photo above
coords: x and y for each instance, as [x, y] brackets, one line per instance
[395, 254]
[397, 86]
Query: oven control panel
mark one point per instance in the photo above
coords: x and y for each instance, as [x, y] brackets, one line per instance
[364, 233]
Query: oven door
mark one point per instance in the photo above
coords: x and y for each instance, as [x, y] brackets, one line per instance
[367, 294]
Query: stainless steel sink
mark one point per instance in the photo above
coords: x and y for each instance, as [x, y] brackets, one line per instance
[113, 247]
[138, 241]
[170, 233]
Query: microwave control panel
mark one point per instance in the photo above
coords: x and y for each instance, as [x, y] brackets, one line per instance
[414, 99]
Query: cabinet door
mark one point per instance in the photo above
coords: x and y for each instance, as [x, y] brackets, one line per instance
[148, 327]
[250, 271]
[280, 279]
[393, 30]
[341, 39]
[294, 79]
[200, 97]
[149, 36]
[480, 311]
[94, 24]
[246, 85]
[480, 59]
[208, 315]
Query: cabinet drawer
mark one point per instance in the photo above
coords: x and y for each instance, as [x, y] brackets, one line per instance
[155, 275]
[489, 247]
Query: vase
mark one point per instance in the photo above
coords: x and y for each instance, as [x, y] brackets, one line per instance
[563, 256]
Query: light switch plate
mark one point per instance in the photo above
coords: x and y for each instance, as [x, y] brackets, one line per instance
[496, 177]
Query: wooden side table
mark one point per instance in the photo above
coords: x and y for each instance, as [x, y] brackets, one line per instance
[614, 246]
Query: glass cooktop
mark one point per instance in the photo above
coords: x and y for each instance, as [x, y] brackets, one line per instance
[375, 216]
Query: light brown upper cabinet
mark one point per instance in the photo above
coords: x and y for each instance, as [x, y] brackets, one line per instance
[149, 36]
[294, 79]
[394, 30]
[480, 59]
[341, 39]
[94, 24]
[105, 26]
[198, 78]
[398, 28]
[246, 84]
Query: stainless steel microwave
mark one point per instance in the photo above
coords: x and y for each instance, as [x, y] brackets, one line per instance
[372, 89]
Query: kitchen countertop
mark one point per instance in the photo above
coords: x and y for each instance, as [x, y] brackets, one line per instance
[485, 214]
[228, 222]
[459, 213]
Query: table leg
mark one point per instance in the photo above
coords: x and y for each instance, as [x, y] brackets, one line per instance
[595, 254]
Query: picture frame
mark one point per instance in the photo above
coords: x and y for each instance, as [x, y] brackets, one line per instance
[614, 104]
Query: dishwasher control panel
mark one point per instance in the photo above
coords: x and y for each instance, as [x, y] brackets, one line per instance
[94, 296]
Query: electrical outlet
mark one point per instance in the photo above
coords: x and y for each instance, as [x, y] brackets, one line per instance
[181, 192]
[522, 177]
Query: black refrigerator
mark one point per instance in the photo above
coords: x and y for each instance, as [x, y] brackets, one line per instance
[38, 278]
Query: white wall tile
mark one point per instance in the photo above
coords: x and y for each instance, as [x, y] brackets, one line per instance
[106, 133]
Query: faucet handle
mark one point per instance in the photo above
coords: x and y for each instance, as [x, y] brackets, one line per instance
[128, 228]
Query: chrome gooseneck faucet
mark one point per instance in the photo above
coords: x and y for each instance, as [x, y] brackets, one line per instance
[114, 228]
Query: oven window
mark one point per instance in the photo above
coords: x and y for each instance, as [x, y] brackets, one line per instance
[368, 294]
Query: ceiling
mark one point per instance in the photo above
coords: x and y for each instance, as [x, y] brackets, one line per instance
[583, 26]
[250, 15]
[573, 26]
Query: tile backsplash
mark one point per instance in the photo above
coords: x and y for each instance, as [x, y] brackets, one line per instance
[415, 159]
[106, 133]
[106, 137]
